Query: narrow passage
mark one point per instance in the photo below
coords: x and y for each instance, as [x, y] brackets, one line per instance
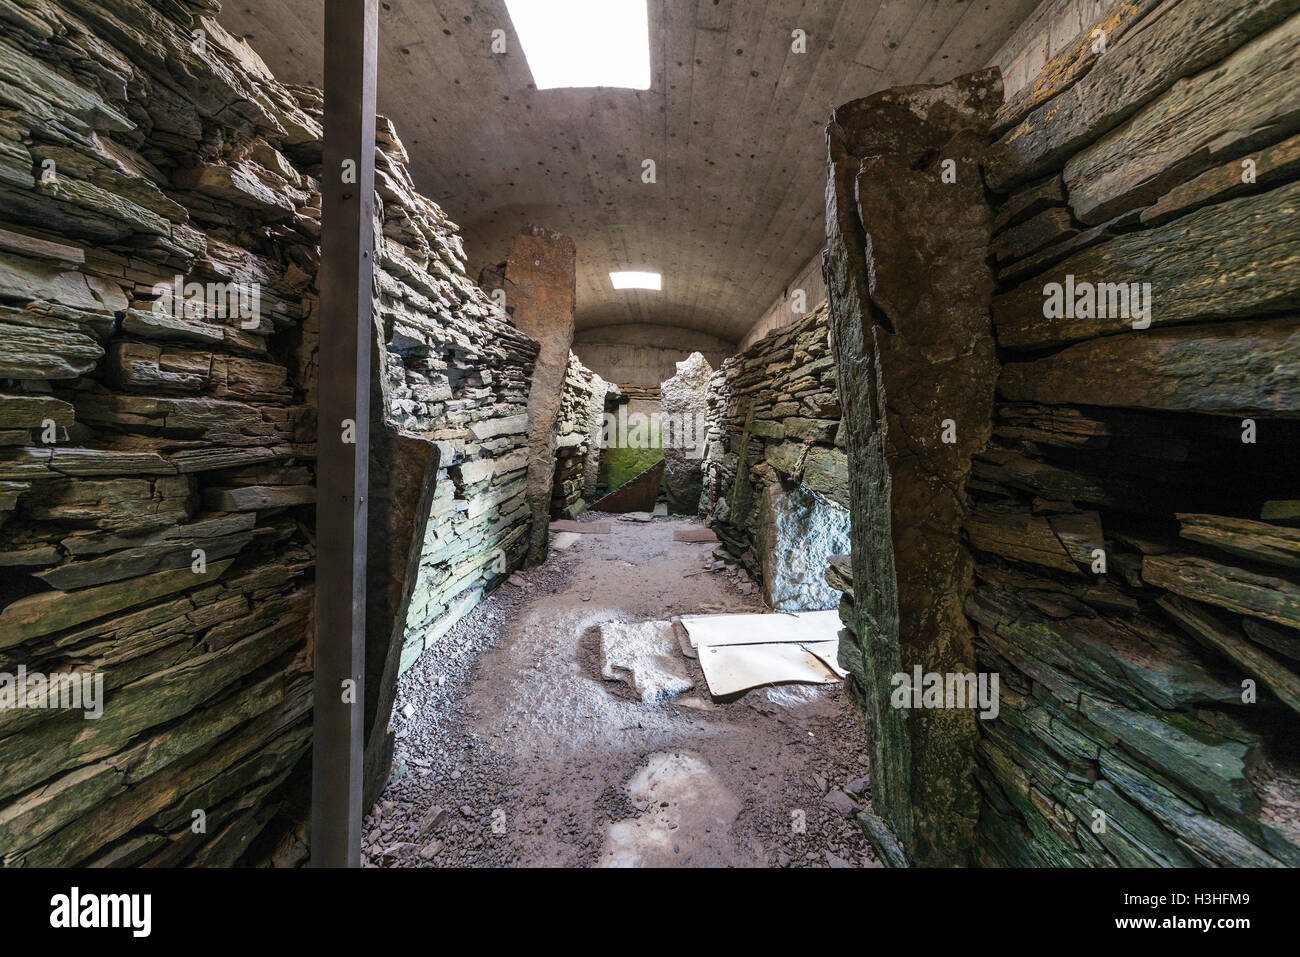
[513, 750]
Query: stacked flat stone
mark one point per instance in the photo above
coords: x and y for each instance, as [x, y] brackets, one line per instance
[577, 439]
[1123, 690]
[773, 413]
[456, 373]
[156, 466]
[631, 391]
[130, 154]
[684, 399]
[1132, 517]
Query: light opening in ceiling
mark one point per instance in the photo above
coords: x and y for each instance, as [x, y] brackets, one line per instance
[584, 42]
[636, 280]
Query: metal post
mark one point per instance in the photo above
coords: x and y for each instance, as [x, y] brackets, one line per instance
[343, 428]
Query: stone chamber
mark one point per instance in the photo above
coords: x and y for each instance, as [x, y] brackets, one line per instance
[979, 333]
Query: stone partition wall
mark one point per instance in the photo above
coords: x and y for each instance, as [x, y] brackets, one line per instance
[1135, 513]
[632, 442]
[456, 374]
[449, 516]
[156, 452]
[156, 462]
[907, 227]
[578, 433]
[775, 473]
[684, 405]
[540, 286]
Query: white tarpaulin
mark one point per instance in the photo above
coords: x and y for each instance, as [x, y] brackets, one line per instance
[805, 626]
[738, 652]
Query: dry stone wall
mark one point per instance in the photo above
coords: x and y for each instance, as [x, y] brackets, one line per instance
[684, 402]
[158, 316]
[155, 454]
[578, 434]
[774, 420]
[1134, 518]
[449, 516]
[455, 373]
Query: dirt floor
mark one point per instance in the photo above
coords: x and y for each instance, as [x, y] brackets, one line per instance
[513, 751]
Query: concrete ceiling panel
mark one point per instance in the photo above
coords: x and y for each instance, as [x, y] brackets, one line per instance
[734, 121]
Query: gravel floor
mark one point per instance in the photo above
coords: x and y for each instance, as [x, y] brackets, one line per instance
[512, 750]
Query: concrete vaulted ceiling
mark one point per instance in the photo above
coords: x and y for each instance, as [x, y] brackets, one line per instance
[734, 121]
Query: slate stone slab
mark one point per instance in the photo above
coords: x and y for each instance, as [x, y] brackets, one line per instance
[909, 289]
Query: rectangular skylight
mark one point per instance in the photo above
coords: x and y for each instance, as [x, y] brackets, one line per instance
[636, 280]
[584, 42]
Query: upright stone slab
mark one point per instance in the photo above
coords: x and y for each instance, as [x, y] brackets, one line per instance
[540, 290]
[685, 402]
[909, 287]
[595, 432]
[402, 489]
